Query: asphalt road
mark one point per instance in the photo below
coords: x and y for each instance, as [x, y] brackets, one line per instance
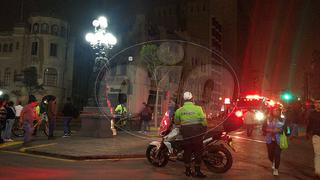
[250, 162]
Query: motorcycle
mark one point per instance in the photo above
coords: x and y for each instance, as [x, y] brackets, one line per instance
[216, 154]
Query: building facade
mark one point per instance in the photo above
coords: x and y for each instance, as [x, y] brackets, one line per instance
[43, 43]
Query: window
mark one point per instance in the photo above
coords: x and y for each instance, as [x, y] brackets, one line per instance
[34, 48]
[63, 31]
[44, 28]
[17, 45]
[53, 49]
[50, 77]
[35, 28]
[5, 48]
[54, 30]
[7, 77]
[10, 47]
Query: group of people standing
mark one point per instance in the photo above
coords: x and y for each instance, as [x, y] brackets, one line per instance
[31, 116]
[8, 115]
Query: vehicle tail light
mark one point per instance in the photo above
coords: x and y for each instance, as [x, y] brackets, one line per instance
[239, 114]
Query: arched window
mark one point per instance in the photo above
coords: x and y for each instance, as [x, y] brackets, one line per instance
[7, 77]
[63, 31]
[10, 47]
[5, 48]
[50, 77]
[54, 29]
[35, 28]
[44, 28]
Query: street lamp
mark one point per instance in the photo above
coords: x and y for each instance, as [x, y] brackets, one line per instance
[101, 40]
[1, 93]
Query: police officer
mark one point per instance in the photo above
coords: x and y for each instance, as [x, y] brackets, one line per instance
[193, 124]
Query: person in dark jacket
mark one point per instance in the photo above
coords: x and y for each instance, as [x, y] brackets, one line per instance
[145, 117]
[52, 114]
[67, 117]
[313, 130]
[11, 115]
[3, 116]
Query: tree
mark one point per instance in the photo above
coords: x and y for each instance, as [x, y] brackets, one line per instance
[30, 80]
[148, 54]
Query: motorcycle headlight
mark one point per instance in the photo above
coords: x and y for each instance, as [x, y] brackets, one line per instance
[259, 116]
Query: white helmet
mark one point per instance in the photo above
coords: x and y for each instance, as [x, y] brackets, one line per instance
[187, 96]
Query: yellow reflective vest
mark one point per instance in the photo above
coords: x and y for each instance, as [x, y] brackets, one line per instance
[189, 114]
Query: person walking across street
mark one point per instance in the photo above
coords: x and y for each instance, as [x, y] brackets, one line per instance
[249, 122]
[313, 130]
[52, 114]
[27, 116]
[3, 117]
[67, 117]
[11, 115]
[193, 124]
[145, 117]
[273, 127]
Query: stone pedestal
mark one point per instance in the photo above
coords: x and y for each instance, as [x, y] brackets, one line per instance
[94, 123]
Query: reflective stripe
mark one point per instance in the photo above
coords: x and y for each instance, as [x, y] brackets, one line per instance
[190, 114]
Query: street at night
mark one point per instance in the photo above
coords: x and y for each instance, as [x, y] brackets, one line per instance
[159, 89]
[250, 162]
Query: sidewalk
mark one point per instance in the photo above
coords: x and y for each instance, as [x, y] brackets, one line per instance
[124, 145]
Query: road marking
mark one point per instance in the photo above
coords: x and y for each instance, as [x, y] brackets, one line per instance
[247, 139]
[38, 146]
[118, 159]
[37, 156]
[8, 144]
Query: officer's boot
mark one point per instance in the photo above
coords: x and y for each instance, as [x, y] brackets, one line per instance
[188, 171]
[198, 173]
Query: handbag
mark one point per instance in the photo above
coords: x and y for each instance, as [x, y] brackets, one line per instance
[283, 141]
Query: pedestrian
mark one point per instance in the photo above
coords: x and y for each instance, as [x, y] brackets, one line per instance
[292, 117]
[249, 121]
[67, 111]
[52, 114]
[3, 116]
[27, 116]
[145, 117]
[313, 130]
[273, 127]
[11, 115]
[193, 124]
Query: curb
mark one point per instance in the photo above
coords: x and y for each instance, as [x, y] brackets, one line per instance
[89, 157]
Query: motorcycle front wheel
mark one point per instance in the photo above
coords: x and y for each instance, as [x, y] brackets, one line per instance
[218, 159]
[157, 157]
[17, 130]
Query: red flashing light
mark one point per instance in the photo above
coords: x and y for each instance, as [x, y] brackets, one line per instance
[253, 97]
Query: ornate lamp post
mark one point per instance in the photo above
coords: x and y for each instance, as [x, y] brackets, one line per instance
[101, 41]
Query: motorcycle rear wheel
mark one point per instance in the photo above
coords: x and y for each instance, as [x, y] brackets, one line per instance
[218, 159]
[158, 161]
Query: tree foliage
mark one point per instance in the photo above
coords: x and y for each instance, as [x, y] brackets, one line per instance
[149, 57]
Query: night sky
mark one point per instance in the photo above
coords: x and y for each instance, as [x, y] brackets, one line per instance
[276, 38]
